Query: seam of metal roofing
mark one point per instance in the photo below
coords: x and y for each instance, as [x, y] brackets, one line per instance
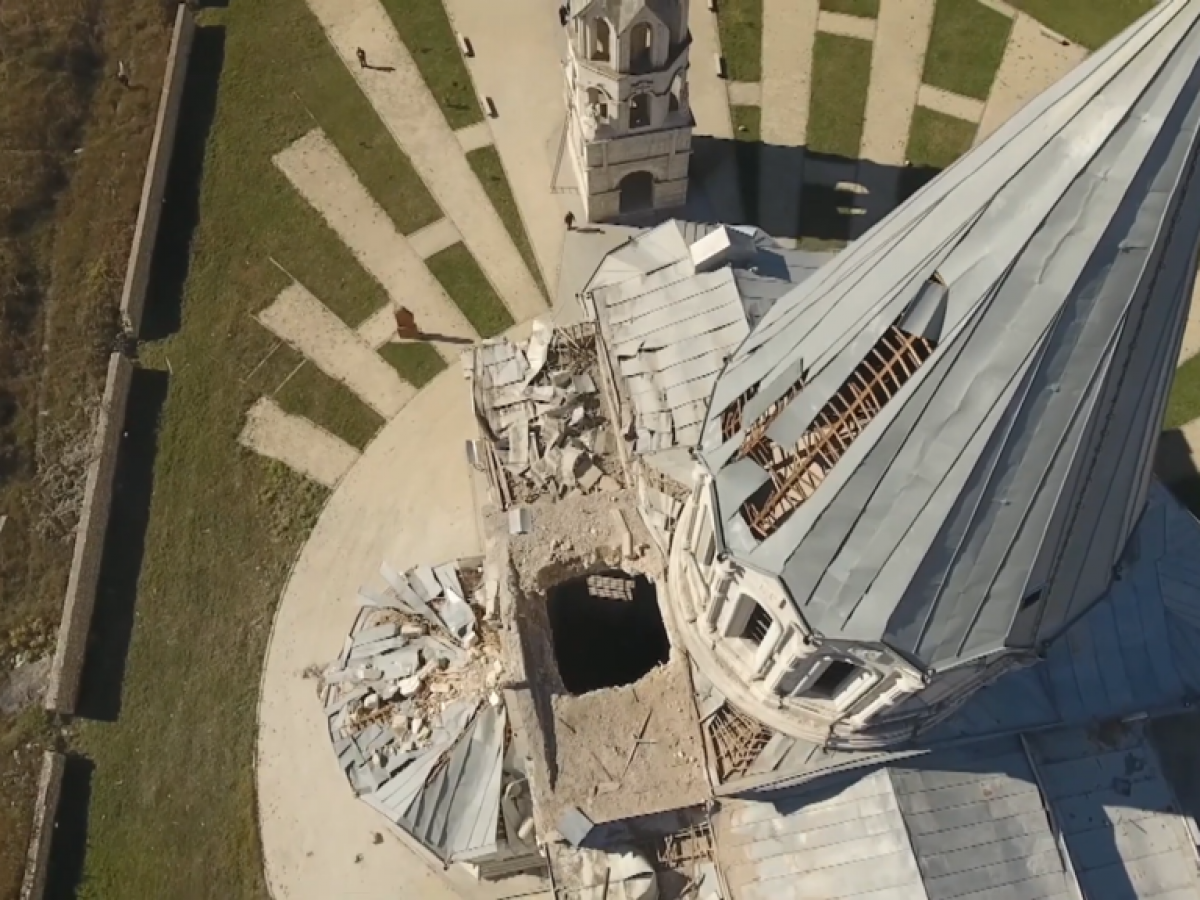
[1136, 652]
[1019, 451]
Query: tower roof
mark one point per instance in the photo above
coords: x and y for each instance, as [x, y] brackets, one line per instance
[621, 13]
[942, 440]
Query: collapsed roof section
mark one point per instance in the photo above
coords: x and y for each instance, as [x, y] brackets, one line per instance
[942, 439]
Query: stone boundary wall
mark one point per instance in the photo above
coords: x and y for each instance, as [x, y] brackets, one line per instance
[37, 866]
[67, 666]
[145, 231]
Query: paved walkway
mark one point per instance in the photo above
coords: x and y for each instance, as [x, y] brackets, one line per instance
[529, 99]
[301, 320]
[411, 114]
[897, 63]
[320, 174]
[789, 30]
[967, 108]
[296, 442]
[408, 500]
[1033, 60]
[706, 90]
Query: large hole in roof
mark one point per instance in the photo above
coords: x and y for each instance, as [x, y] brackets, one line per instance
[606, 629]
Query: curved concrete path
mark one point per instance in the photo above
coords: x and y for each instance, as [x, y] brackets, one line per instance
[407, 500]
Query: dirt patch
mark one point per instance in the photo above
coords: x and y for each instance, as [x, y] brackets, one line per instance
[618, 752]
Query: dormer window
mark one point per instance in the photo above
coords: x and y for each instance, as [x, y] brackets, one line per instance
[832, 680]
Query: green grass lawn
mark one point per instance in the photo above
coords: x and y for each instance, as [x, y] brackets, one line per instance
[1183, 405]
[965, 47]
[840, 77]
[485, 162]
[1088, 22]
[740, 26]
[426, 32]
[172, 805]
[747, 129]
[868, 9]
[936, 140]
[417, 363]
[469, 288]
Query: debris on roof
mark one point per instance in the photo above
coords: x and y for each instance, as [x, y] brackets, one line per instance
[544, 417]
[416, 714]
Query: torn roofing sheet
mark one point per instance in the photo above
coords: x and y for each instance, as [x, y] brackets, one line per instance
[669, 328]
[1063, 814]
[997, 452]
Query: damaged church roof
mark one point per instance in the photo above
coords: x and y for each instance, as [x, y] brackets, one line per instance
[942, 440]
[673, 304]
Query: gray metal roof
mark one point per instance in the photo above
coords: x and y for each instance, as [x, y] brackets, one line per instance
[1050, 271]
[1136, 651]
[1007, 819]
[669, 326]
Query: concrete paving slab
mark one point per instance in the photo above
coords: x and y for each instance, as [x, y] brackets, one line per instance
[745, 93]
[323, 177]
[897, 62]
[847, 26]
[305, 323]
[706, 89]
[297, 443]
[789, 29]
[409, 111]
[379, 328]
[966, 108]
[474, 136]
[1001, 7]
[529, 99]
[1034, 58]
[434, 238]
[407, 501]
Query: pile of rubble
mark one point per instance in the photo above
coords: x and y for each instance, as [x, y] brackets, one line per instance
[419, 658]
[541, 409]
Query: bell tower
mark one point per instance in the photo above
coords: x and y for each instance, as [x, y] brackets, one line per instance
[629, 124]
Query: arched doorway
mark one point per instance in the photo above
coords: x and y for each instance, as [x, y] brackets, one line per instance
[637, 192]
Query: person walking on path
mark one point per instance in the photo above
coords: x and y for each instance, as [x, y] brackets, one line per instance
[569, 218]
[406, 324]
[362, 57]
[122, 72]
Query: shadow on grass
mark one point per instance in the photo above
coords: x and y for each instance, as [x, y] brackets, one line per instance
[181, 198]
[1174, 467]
[791, 192]
[112, 619]
[68, 847]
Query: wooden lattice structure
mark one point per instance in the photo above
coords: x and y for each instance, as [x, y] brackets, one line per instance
[731, 416]
[692, 844]
[796, 473]
[737, 740]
